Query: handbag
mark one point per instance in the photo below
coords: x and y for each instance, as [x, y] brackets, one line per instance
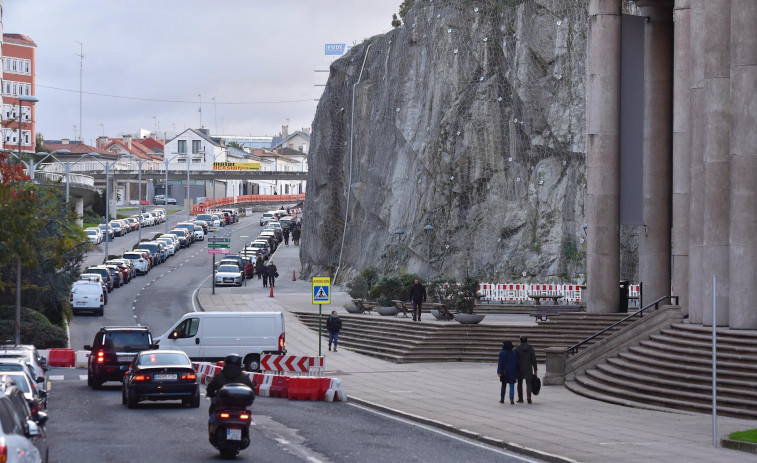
[276, 275]
[535, 385]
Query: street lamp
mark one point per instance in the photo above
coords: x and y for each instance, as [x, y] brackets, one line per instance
[107, 204]
[139, 163]
[399, 233]
[428, 229]
[31, 99]
[165, 193]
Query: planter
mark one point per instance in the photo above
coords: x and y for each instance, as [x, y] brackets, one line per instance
[438, 315]
[388, 311]
[469, 318]
[351, 308]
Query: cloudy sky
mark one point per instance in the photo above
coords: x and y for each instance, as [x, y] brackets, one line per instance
[146, 62]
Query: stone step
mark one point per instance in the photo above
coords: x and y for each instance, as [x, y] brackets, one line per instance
[702, 361]
[681, 371]
[588, 387]
[694, 353]
[690, 343]
[705, 338]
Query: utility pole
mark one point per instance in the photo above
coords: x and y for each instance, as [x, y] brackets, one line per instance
[81, 72]
[215, 115]
[200, 97]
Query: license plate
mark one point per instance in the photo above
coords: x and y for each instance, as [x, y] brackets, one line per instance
[124, 358]
[228, 280]
[233, 434]
[165, 377]
[81, 303]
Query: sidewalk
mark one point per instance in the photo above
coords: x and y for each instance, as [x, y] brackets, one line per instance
[464, 397]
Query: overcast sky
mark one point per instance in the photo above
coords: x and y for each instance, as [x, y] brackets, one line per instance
[262, 53]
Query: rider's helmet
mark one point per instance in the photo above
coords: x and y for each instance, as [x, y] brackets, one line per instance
[232, 362]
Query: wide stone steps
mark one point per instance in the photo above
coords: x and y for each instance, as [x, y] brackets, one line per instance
[673, 369]
[403, 341]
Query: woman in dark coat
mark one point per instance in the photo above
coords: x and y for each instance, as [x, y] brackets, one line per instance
[507, 370]
[259, 266]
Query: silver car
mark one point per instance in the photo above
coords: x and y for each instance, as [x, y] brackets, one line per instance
[229, 274]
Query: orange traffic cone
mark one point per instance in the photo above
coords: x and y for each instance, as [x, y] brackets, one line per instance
[294, 277]
[271, 295]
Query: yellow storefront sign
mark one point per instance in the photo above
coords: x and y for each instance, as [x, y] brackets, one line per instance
[236, 166]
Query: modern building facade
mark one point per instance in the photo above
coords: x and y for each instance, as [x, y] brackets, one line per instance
[18, 80]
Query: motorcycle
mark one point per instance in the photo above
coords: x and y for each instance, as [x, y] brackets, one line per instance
[230, 418]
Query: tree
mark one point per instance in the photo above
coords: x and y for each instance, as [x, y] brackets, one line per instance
[405, 6]
[43, 236]
[233, 144]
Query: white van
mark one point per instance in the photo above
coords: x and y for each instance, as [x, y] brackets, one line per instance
[87, 296]
[211, 336]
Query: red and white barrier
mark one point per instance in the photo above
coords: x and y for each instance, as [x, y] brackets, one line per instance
[291, 363]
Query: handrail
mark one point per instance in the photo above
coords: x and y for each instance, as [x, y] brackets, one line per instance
[574, 349]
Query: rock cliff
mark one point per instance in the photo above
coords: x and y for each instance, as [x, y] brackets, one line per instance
[469, 118]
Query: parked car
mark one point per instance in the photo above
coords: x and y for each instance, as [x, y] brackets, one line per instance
[190, 227]
[229, 275]
[199, 233]
[234, 214]
[107, 231]
[168, 243]
[117, 228]
[104, 273]
[140, 263]
[161, 375]
[266, 217]
[23, 439]
[96, 278]
[203, 224]
[126, 270]
[87, 296]
[94, 237]
[118, 277]
[113, 350]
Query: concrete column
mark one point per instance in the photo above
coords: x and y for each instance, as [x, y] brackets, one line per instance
[743, 224]
[717, 154]
[681, 154]
[79, 208]
[655, 252]
[603, 155]
[696, 195]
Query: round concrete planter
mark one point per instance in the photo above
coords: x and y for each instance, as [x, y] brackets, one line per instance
[469, 318]
[438, 315]
[351, 308]
[388, 311]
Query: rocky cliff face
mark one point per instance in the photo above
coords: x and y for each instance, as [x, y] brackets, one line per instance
[468, 118]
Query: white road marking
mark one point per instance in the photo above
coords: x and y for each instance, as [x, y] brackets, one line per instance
[82, 377]
[56, 377]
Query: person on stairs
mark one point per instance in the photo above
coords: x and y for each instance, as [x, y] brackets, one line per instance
[333, 325]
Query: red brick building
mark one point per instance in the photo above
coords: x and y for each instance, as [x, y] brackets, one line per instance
[18, 79]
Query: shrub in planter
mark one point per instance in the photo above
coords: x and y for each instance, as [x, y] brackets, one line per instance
[459, 297]
[390, 287]
[360, 286]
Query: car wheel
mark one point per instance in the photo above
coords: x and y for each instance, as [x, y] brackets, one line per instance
[194, 402]
[131, 400]
[101, 312]
[252, 363]
[96, 384]
[89, 380]
[123, 396]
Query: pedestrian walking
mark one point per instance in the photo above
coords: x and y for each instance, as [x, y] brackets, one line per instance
[264, 272]
[333, 325]
[259, 266]
[296, 236]
[272, 273]
[507, 370]
[286, 236]
[526, 367]
[418, 296]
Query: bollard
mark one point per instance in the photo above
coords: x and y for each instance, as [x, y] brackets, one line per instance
[294, 277]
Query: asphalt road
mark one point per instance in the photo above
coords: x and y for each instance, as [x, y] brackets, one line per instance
[87, 425]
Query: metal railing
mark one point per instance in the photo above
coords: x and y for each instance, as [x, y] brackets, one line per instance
[656, 304]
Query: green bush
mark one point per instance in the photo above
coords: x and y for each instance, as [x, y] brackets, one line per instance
[390, 287]
[458, 297]
[35, 328]
[360, 286]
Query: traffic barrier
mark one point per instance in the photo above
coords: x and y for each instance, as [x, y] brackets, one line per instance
[82, 358]
[279, 386]
[264, 389]
[291, 363]
[335, 391]
[308, 387]
[257, 379]
[61, 358]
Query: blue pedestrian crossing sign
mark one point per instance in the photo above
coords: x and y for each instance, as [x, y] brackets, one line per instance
[321, 290]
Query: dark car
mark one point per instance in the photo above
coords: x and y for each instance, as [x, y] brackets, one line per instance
[161, 375]
[104, 272]
[190, 228]
[113, 350]
[118, 277]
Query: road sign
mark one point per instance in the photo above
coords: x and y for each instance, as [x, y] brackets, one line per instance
[219, 251]
[321, 290]
[218, 239]
[217, 245]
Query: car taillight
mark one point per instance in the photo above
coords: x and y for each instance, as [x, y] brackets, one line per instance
[142, 378]
[71, 298]
[282, 341]
[101, 298]
[189, 376]
[244, 416]
[224, 415]
[101, 354]
[3, 451]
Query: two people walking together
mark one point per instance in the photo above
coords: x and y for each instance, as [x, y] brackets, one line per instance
[516, 364]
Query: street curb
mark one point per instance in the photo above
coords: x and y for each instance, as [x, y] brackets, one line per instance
[512, 447]
[748, 447]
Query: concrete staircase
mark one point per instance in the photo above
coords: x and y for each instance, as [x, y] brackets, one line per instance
[401, 340]
[673, 369]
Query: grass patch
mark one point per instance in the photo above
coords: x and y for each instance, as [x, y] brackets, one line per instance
[745, 436]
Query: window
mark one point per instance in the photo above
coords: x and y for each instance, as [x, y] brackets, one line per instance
[182, 146]
[14, 64]
[196, 146]
[188, 328]
[28, 67]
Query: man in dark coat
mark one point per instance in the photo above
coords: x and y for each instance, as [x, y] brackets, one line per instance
[231, 373]
[418, 296]
[526, 367]
[333, 325]
[286, 236]
[259, 266]
[507, 370]
[296, 235]
[272, 273]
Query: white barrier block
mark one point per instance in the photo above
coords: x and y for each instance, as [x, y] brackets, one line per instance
[265, 388]
[336, 391]
[81, 358]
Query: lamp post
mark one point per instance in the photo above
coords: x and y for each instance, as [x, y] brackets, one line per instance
[139, 164]
[107, 204]
[399, 233]
[165, 193]
[30, 166]
[428, 229]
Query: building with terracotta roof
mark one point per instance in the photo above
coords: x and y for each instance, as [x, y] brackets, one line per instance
[18, 79]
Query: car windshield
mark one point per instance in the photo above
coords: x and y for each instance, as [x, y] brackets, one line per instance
[228, 269]
[132, 256]
[159, 358]
[11, 367]
[127, 340]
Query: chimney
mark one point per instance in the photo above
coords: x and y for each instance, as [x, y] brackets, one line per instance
[127, 141]
[102, 141]
[65, 141]
[284, 131]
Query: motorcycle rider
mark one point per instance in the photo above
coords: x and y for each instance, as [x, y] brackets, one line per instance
[232, 372]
